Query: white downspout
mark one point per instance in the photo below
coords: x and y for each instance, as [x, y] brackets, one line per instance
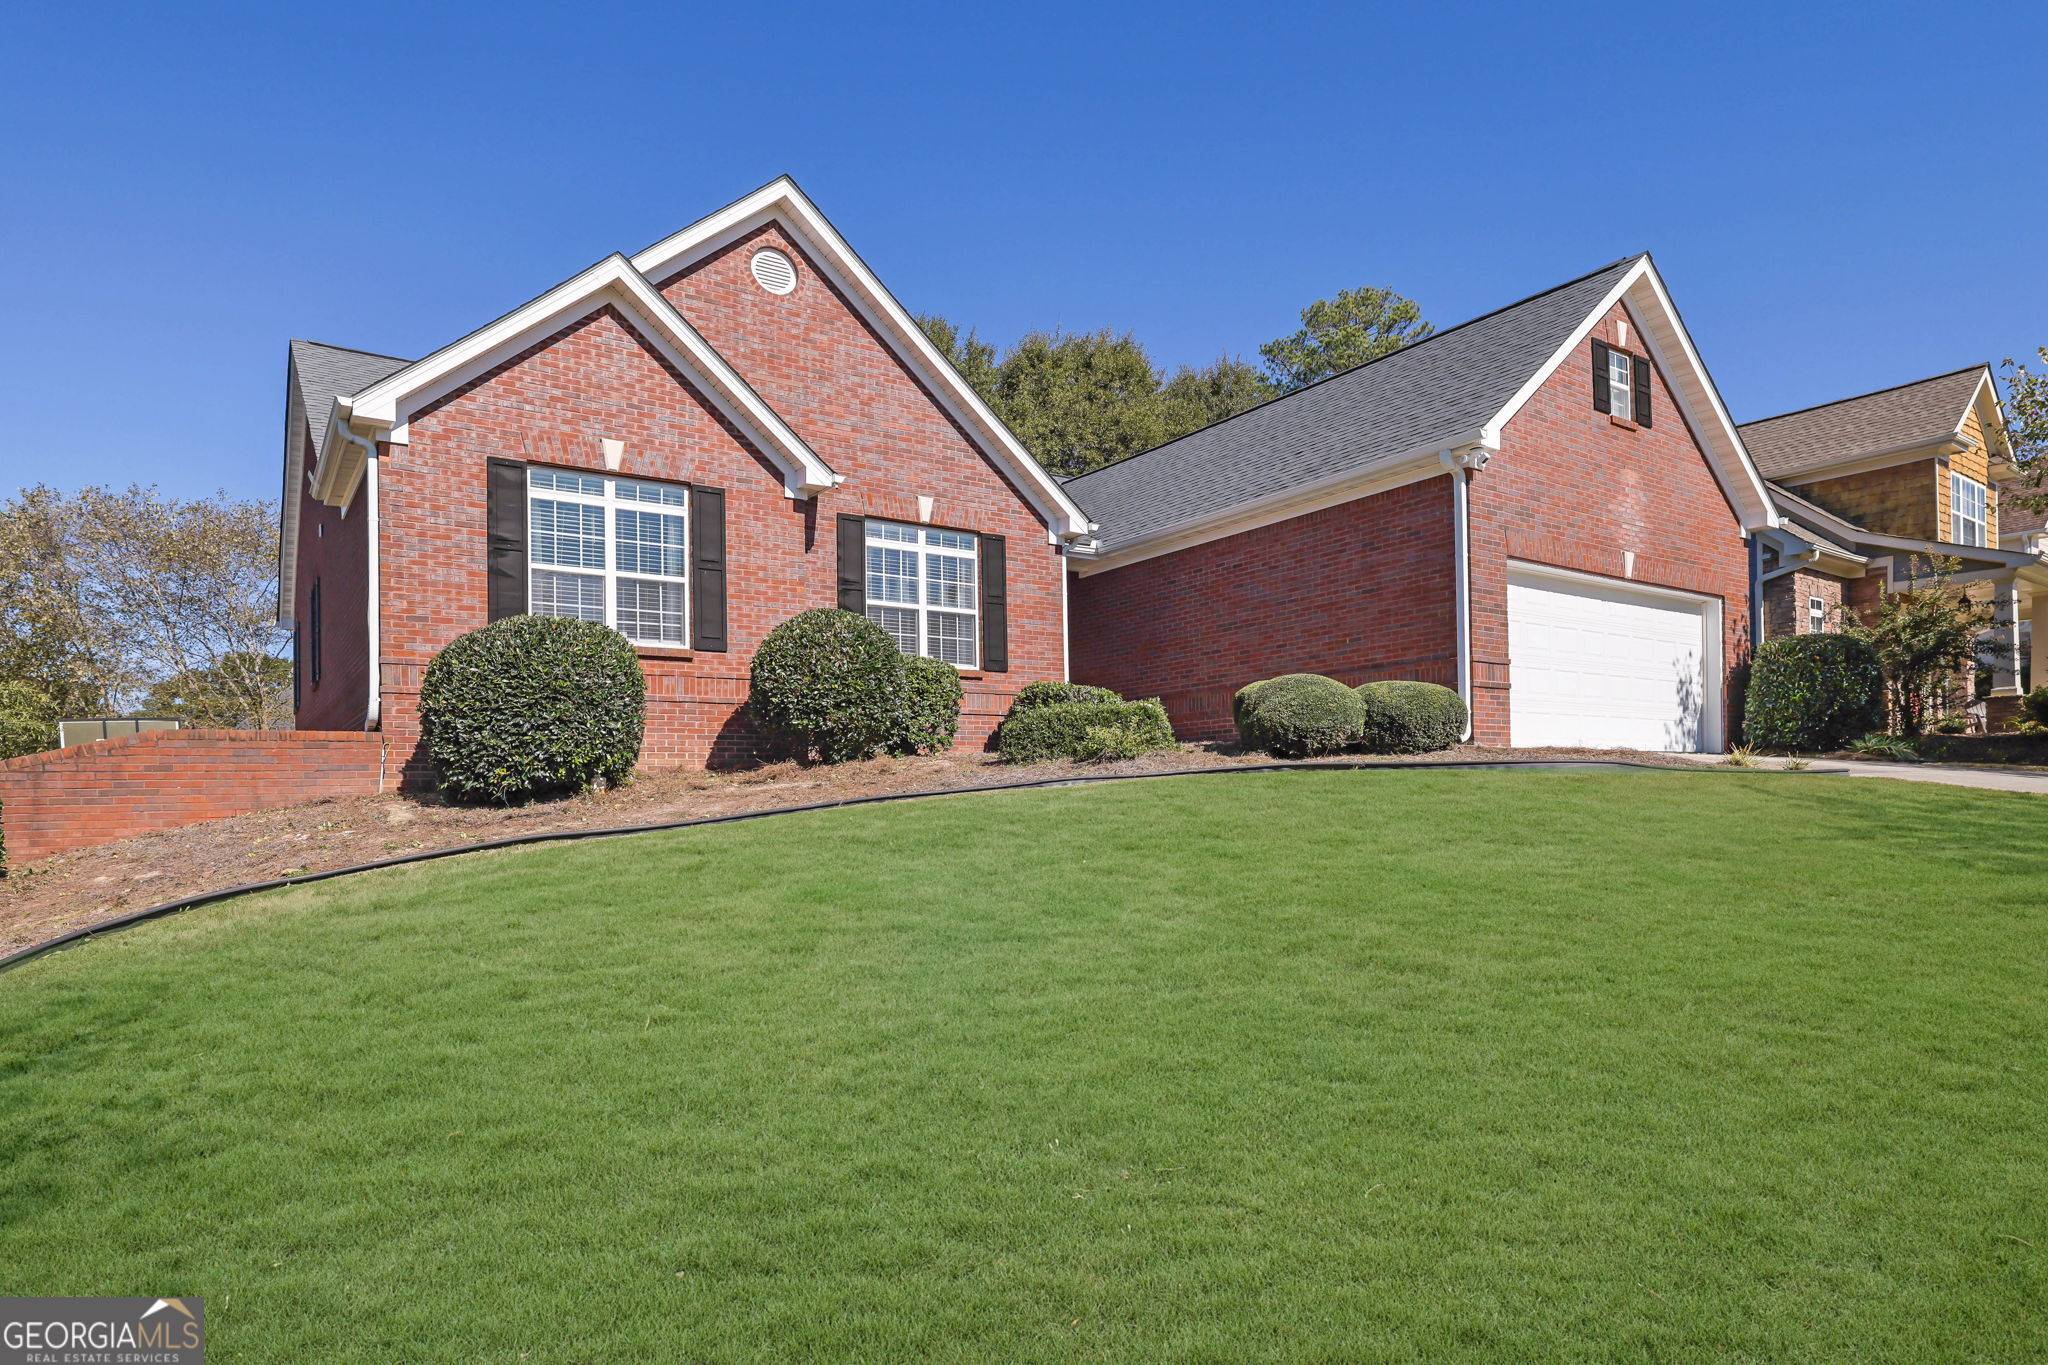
[1458, 462]
[373, 713]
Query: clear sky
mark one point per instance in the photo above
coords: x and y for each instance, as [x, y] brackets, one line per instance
[1840, 197]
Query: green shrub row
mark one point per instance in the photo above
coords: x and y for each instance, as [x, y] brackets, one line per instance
[1300, 715]
[2036, 705]
[1814, 693]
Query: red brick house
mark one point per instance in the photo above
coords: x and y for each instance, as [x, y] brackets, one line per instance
[692, 444]
[1547, 508]
[1869, 489]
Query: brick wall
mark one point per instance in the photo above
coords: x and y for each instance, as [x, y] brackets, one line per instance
[115, 788]
[820, 367]
[1786, 599]
[334, 556]
[1576, 488]
[1361, 591]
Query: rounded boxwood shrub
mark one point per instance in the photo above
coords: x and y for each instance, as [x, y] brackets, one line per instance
[1061, 730]
[1410, 717]
[1813, 692]
[1050, 693]
[1299, 715]
[532, 705]
[830, 685]
[931, 707]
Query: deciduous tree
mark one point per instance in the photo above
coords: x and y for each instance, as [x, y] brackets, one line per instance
[1338, 334]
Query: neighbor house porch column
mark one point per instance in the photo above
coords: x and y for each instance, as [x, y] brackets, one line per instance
[2001, 654]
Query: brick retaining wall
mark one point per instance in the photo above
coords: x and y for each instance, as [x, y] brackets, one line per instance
[114, 788]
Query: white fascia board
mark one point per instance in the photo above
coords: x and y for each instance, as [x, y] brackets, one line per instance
[783, 202]
[1284, 505]
[1651, 311]
[288, 499]
[387, 406]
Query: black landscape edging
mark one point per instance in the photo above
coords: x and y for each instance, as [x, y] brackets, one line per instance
[36, 950]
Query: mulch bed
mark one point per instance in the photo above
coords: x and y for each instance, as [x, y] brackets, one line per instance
[70, 891]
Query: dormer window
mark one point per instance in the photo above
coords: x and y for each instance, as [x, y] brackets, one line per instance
[1966, 519]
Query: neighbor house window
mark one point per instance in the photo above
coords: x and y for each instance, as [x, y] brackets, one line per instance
[922, 590]
[1620, 399]
[1816, 616]
[610, 550]
[1965, 510]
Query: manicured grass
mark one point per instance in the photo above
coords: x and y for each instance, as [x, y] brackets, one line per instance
[1389, 1065]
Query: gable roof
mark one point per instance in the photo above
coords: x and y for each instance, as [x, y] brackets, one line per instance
[323, 373]
[1453, 388]
[782, 202]
[1904, 417]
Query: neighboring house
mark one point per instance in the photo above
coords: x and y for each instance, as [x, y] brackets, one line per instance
[1547, 508]
[1869, 489]
[692, 444]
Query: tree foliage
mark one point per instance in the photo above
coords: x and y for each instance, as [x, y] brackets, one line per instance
[1338, 334]
[107, 594]
[1926, 642]
[2026, 406]
[244, 691]
[1081, 400]
[28, 720]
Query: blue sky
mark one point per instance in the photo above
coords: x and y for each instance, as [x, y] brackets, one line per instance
[1840, 198]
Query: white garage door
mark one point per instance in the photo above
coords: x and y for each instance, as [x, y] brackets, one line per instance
[1608, 666]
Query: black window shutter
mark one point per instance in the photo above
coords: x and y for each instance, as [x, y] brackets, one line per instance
[853, 565]
[316, 632]
[995, 607]
[507, 516]
[1603, 401]
[298, 669]
[1641, 369]
[707, 568]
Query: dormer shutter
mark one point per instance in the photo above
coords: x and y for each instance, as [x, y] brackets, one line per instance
[1641, 369]
[1603, 401]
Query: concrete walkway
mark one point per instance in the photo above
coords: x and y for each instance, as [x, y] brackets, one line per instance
[1947, 774]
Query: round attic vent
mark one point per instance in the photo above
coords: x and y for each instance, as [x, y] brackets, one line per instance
[773, 271]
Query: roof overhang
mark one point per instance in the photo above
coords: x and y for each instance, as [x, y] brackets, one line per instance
[1641, 291]
[384, 410]
[787, 206]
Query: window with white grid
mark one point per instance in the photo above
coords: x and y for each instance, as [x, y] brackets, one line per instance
[1816, 616]
[1965, 510]
[922, 589]
[611, 550]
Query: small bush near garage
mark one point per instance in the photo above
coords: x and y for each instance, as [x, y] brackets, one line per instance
[1813, 692]
[931, 707]
[1410, 717]
[1299, 715]
[1063, 730]
[530, 706]
[831, 686]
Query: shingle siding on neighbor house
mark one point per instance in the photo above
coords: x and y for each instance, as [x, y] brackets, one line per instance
[813, 360]
[1576, 489]
[1360, 591]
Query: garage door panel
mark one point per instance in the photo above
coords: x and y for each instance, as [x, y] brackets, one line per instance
[1599, 666]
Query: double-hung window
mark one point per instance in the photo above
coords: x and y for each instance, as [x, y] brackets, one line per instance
[923, 590]
[1816, 616]
[607, 549]
[1966, 517]
[1620, 380]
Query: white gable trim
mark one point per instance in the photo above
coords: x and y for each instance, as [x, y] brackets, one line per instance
[787, 205]
[385, 408]
[1641, 291]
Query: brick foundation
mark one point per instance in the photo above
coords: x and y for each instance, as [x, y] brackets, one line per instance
[112, 789]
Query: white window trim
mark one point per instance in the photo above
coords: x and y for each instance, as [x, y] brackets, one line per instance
[610, 504]
[1816, 616]
[924, 609]
[1958, 484]
[1621, 392]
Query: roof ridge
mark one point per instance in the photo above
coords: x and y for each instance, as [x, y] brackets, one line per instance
[1858, 397]
[352, 350]
[1402, 350]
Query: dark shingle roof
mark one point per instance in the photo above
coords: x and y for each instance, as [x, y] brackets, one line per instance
[1440, 387]
[325, 373]
[1815, 523]
[1920, 413]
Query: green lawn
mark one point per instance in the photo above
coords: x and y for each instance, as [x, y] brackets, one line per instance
[1397, 1065]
